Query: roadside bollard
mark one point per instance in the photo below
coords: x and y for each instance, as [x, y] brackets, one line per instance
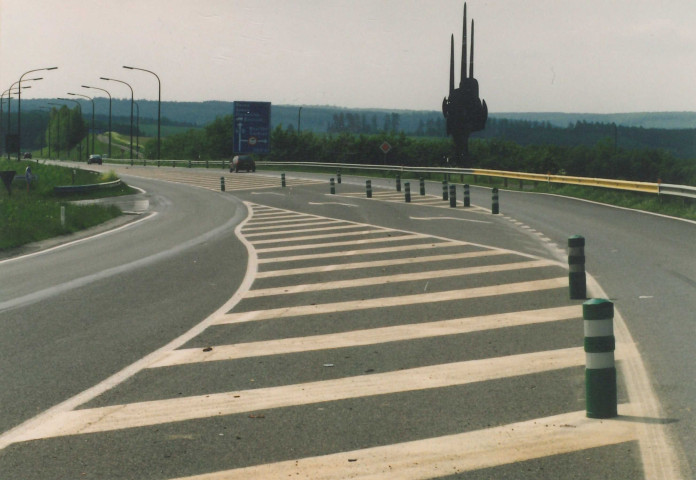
[577, 280]
[368, 188]
[206, 164]
[467, 196]
[407, 192]
[158, 163]
[189, 164]
[282, 180]
[453, 195]
[495, 209]
[222, 184]
[338, 176]
[600, 371]
[333, 186]
[173, 164]
[422, 186]
[444, 190]
[398, 183]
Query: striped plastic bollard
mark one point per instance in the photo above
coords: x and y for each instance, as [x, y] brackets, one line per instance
[407, 192]
[600, 371]
[453, 195]
[577, 280]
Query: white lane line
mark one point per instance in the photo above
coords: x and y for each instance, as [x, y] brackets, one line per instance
[81, 240]
[367, 251]
[288, 229]
[316, 237]
[333, 267]
[364, 241]
[390, 279]
[264, 193]
[157, 412]
[451, 454]
[434, 297]
[333, 203]
[448, 218]
[370, 336]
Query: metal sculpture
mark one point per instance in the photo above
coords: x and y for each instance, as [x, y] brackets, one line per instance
[464, 111]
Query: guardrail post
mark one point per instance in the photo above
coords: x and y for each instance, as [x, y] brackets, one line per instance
[333, 186]
[338, 176]
[467, 196]
[144, 162]
[422, 186]
[407, 192]
[453, 195]
[282, 180]
[206, 164]
[444, 190]
[222, 184]
[577, 280]
[398, 182]
[173, 164]
[189, 164]
[495, 209]
[368, 188]
[600, 371]
[158, 163]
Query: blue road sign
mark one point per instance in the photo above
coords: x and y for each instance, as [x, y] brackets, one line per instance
[252, 127]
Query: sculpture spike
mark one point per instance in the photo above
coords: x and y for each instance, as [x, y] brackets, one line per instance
[451, 85]
[471, 59]
[463, 69]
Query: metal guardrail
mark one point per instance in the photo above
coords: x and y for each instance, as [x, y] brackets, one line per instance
[678, 190]
[86, 188]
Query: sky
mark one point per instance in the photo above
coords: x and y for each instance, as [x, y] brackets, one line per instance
[589, 56]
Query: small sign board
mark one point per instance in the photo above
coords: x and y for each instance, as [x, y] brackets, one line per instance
[385, 147]
[252, 127]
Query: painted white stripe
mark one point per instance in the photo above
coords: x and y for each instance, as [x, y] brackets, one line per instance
[394, 238]
[157, 412]
[381, 263]
[599, 360]
[384, 302]
[389, 279]
[448, 218]
[328, 235]
[288, 230]
[452, 454]
[599, 328]
[368, 337]
[284, 224]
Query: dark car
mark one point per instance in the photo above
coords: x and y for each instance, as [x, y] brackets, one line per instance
[243, 162]
[94, 159]
[27, 155]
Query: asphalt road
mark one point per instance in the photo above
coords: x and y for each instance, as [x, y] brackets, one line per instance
[354, 328]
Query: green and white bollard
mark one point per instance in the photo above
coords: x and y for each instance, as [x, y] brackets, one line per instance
[495, 209]
[422, 186]
[444, 190]
[222, 184]
[600, 371]
[467, 196]
[333, 186]
[453, 195]
[338, 176]
[577, 279]
[282, 180]
[368, 188]
[407, 192]
[398, 183]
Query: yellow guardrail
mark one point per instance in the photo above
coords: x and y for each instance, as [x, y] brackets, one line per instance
[646, 187]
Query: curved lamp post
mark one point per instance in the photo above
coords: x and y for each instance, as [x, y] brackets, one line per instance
[137, 130]
[19, 107]
[9, 93]
[91, 100]
[105, 91]
[159, 103]
[131, 120]
[79, 155]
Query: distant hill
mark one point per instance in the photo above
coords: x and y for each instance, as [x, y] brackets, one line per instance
[317, 118]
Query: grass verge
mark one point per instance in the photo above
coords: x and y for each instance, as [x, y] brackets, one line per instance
[30, 215]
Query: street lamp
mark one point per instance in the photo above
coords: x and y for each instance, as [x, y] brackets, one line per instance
[97, 88]
[131, 121]
[49, 131]
[19, 108]
[159, 103]
[79, 155]
[137, 130]
[9, 118]
[91, 100]
[299, 113]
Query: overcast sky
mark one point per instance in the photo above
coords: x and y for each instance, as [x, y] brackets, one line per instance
[597, 56]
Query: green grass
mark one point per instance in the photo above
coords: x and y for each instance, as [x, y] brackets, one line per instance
[31, 215]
